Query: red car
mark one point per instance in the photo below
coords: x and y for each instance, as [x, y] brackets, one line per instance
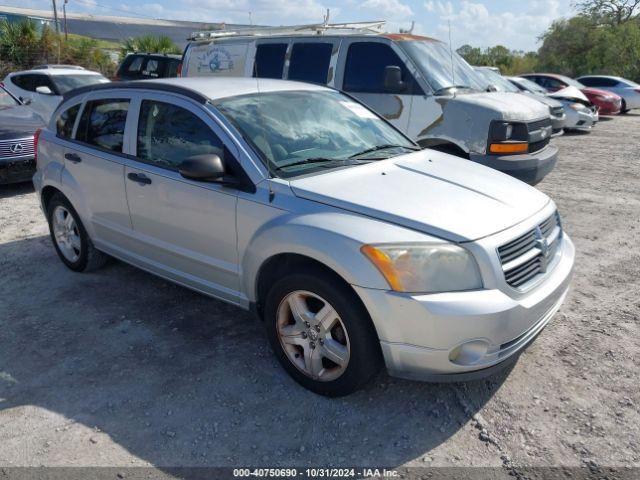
[608, 103]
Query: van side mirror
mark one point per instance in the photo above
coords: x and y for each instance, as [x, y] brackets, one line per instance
[44, 90]
[203, 168]
[393, 79]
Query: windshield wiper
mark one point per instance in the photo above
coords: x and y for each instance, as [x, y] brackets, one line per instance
[311, 160]
[384, 147]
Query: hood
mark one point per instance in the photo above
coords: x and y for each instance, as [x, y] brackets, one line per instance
[550, 102]
[603, 93]
[428, 191]
[571, 93]
[19, 121]
[506, 105]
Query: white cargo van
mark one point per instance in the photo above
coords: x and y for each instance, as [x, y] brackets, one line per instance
[417, 83]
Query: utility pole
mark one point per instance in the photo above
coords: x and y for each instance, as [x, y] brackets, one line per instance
[64, 12]
[55, 16]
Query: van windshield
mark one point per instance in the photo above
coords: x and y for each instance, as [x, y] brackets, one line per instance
[442, 68]
[300, 132]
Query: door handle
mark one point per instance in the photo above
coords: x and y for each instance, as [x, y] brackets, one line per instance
[73, 157]
[140, 178]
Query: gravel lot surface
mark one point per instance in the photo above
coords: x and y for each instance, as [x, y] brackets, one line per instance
[120, 368]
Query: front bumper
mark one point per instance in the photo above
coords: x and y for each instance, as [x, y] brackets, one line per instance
[528, 167]
[581, 120]
[421, 335]
[17, 169]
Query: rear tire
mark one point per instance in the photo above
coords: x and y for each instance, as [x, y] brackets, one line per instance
[69, 237]
[333, 361]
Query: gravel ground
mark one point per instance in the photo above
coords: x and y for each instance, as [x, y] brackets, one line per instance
[120, 368]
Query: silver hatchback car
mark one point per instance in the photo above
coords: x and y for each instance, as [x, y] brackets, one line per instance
[354, 246]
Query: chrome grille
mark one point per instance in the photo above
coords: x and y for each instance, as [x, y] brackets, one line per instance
[9, 149]
[539, 124]
[529, 255]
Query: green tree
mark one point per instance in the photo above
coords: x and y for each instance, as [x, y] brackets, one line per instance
[18, 40]
[614, 12]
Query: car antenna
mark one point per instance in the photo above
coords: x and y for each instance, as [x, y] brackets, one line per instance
[270, 174]
[453, 74]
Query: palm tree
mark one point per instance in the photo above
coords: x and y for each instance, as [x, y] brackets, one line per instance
[18, 41]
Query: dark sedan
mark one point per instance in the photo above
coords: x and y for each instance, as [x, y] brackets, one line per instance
[18, 124]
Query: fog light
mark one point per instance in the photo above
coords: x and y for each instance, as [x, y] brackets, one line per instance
[469, 353]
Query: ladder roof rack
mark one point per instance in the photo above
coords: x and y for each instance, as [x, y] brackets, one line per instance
[317, 29]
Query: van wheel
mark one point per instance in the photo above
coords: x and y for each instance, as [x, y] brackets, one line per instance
[69, 237]
[321, 333]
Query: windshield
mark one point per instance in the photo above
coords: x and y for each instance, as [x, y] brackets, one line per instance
[531, 86]
[494, 78]
[571, 82]
[300, 132]
[7, 100]
[65, 83]
[441, 67]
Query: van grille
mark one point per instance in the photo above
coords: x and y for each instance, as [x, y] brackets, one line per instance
[529, 255]
[534, 128]
[20, 147]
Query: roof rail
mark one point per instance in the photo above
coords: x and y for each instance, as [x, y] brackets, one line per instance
[316, 28]
[57, 66]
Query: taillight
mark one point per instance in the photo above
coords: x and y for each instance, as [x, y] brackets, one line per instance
[36, 137]
[179, 72]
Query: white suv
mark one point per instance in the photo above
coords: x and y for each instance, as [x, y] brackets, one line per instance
[43, 87]
[298, 203]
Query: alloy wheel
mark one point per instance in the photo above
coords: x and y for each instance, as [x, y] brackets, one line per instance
[313, 335]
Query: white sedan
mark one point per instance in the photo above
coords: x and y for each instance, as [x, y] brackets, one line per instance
[42, 88]
[627, 89]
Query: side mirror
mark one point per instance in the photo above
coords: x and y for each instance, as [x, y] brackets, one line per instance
[44, 90]
[203, 168]
[393, 79]
[25, 101]
[492, 88]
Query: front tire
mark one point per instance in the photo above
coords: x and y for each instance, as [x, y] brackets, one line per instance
[70, 239]
[321, 333]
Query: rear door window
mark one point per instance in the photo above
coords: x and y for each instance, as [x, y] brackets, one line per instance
[66, 120]
[168, 135]
[310, 62]
[366, 63]
[102, 124]
[269, 62]
[152, 68]
[25, 82]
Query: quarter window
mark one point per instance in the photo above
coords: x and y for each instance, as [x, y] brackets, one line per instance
[66, 120]
[269, 61]
[310, 62]
[366, 63]
[168, 135]
[102, 124]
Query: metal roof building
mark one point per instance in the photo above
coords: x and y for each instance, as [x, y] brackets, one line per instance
[114, 28]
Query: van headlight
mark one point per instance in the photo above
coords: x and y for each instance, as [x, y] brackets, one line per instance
[425, 268]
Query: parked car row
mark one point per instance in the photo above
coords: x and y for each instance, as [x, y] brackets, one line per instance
[287, 174]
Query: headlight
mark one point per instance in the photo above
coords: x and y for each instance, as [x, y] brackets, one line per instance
[578, 107]
[425, 268]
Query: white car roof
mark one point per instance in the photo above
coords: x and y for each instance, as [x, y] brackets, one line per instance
[221, 87]
[55, 72]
